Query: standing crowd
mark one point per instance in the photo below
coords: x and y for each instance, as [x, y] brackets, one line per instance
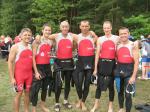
[108, 59]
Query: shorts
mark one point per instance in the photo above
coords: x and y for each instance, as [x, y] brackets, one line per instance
[23, 81]
[86, 62]
[106, 67]
[145, 59]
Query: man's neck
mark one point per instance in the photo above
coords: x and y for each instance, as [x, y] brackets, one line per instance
[125, 42]
[85, 34]
[24, 43]
[65, 35]
[108, 35]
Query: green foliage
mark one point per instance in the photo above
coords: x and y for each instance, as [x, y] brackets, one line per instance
[7, 17]
[16, 14]
[48, 11]
[138, 25]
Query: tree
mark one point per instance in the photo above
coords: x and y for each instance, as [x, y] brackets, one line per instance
[138, 25]
[7, 17]
[14, 16]
[48, 11]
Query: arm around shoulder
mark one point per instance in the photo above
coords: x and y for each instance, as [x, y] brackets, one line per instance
[53, 36]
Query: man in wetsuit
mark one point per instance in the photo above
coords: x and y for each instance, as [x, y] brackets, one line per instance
[43, 75]
[127, 67]
[64, 61]
[104, 65]
[20, 68]
[84, 67]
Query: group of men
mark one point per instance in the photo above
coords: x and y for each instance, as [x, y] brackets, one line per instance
[110, 49]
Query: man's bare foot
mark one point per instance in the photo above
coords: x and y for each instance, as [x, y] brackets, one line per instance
[121, 110]
[83, 107]
[110, 108]
[42, 104]
[95, 106]
[33, 109]
[79, 105]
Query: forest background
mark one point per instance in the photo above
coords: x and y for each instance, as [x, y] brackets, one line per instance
[16, 14]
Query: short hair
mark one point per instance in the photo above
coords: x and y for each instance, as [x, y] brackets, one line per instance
[85, 21]
[46, 25]
[124, 28]
[25, 30]
[64, 22]
[107, 22]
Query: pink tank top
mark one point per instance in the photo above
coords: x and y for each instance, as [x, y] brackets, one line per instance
[85, 45]
[23, 61]
[64, 46]
[108, 47]
[43, 51]
[124, 53]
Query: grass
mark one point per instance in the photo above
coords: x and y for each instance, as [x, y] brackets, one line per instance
[6, 95]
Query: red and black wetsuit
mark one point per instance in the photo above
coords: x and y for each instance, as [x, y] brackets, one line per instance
[124, 69]
[43, 66]
[84, 66]
[106, 66]
[64, 47]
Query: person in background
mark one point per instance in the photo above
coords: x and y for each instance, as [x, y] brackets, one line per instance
[145, 54]
[17, 39]
[2, 45]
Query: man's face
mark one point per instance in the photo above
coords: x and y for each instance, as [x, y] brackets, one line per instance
[64, 27]
[123, 34]
[25, 36]
[84, 26]
[107, 28]
[46, 31]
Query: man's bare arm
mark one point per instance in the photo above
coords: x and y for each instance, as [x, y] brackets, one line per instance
[53, 36]
[11, 63]
[34, 50]
[95, 37]
[136, 63]
[98, 48]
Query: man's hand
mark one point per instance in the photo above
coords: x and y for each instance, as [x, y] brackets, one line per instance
[132, 80]
[95, 73]
[13, 81]
[37, 76]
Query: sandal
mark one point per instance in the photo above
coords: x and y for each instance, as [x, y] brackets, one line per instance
[57, 108]
[67, 105]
